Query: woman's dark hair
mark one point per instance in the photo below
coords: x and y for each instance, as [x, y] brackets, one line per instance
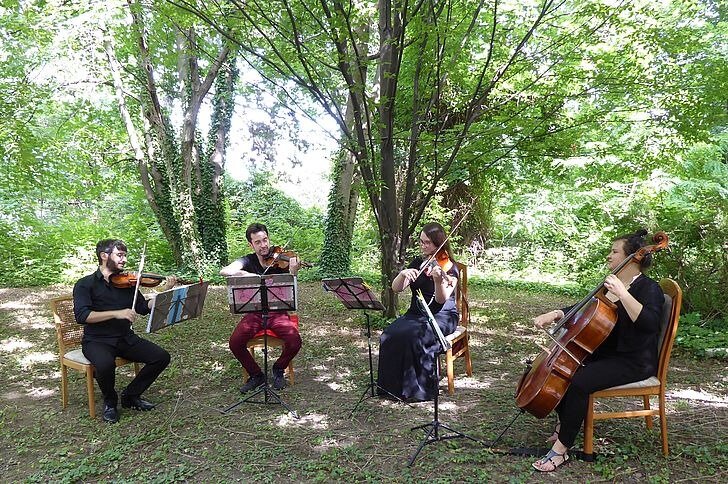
[634, 242]
[254, 228]
[436, 234]
[107, 246]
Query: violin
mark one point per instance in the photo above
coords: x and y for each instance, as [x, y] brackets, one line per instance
[441, 259]
[280, 258]
[127, 279]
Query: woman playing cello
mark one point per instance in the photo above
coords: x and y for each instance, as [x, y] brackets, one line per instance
[628, 354]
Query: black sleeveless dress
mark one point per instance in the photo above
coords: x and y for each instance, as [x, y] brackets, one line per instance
[408, 346]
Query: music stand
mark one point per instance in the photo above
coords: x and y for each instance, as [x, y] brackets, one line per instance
[355, 294]
[435, 425]
[263, 293]
[176, 305]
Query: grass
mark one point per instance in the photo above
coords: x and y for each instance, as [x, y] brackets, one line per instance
[187, 438]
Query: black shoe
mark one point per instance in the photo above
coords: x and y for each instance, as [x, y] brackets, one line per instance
[253, 383]
[279, 381]
[136, 403]
[111, 415]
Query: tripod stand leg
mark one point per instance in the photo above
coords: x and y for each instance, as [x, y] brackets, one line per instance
[427, 440]
[361, 399]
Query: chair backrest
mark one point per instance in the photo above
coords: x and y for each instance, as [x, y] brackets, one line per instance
[68, 332]
[461, 294]
[671, 317]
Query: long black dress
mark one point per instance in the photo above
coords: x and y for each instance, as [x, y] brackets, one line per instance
[408, 346]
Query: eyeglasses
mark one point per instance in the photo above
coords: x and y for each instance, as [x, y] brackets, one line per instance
[120, 255]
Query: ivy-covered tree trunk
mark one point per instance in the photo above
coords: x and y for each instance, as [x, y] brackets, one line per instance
[208, 191]
[341, 216]
[182, 180]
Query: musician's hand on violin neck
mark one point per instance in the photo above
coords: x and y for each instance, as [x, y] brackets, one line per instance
[547, 319]
[294, 265]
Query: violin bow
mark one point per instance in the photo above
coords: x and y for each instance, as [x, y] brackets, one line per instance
[139, 277]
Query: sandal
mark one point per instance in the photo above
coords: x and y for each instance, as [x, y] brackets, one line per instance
[551, 458]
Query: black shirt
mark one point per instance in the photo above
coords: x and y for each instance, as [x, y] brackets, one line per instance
[427, 285]
[93, 293]
[251, 264]
[637, 339]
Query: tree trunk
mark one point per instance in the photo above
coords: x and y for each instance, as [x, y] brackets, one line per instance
[184, 195]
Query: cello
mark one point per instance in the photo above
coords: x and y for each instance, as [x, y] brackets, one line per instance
[576, 336]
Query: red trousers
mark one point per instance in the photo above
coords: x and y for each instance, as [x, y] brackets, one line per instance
[278, 322]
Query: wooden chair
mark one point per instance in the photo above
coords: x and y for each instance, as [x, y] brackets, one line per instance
[653, 386]
[69, 335]
[273, 342]
[460, 338]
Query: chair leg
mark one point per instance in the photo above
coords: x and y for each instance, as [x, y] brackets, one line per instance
[589, 431]
[663, 425]
[466, 354]
[90, 390]
[64, 386]
[290, 373]
[648, 418]
[136, 368]
[449, 364]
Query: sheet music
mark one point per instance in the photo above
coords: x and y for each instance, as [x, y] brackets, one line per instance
[244, 293]
[353, 293]
[175, 305]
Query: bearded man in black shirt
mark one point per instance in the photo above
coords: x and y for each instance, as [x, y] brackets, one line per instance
[107, 314]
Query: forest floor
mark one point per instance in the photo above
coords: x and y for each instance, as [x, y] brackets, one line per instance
[187, 438]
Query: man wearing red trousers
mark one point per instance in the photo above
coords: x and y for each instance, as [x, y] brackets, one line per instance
[278, 321]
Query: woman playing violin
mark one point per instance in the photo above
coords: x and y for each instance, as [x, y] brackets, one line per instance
[408, 346]
[628, 354]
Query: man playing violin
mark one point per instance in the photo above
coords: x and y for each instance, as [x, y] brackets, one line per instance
[629, 353]
[408, 346]
[258, 263]
[106, 312]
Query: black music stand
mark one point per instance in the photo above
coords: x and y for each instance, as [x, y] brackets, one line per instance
[434, 435]
[264, 293]
[355, 294]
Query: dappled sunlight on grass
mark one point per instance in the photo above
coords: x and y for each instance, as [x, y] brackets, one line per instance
[16, 306]
[333, 443]
[471, 383]
[339, 381]
[37, 357]
[698, 395]
[187, 438]
[10, 345]
[316, 421]
[36, 392]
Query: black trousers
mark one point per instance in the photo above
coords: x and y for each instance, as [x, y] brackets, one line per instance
[599, 373]
[133, 348]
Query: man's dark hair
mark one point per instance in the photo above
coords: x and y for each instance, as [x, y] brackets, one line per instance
[254, 228]
[108, 246]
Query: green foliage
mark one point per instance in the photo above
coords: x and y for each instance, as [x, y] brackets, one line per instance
[701, 337]
[289, 225]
